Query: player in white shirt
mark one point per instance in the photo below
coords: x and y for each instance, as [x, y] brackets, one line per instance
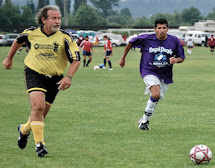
[190, 44]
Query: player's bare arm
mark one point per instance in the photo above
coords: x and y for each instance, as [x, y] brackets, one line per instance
[174, 60]
[127, 49]
[7, 62]
[66, 82]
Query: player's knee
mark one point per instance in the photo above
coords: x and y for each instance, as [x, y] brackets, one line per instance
[38, 106]
[156, 95]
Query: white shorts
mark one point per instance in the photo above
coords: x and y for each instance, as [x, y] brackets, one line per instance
[151, 80]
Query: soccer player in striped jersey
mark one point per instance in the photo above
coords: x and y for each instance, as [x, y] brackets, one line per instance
[50, 49]
[108, 52]
[87, 47]
[211, 44]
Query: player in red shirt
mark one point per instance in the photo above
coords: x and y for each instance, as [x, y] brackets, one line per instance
[211, 43]
[108, 51]
[87, 47]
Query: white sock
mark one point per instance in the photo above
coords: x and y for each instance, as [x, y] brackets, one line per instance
[150, 107]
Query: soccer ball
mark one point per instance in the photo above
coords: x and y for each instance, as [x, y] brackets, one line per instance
[200, 154]
[96, 68]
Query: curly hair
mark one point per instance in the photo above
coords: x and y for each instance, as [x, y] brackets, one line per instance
[43, 13]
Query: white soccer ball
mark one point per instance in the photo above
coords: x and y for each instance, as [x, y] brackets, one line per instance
[200, 154]
[96, 67]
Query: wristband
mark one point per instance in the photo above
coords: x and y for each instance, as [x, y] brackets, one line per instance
[68, 76]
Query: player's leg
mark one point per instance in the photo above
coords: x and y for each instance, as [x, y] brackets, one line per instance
[47, 108]
[152, 102]
[38, 106]
[153, 86]
[26, 128]
[191, 50]
[84, 60]
[104, 60]
[212, 50]
[37, 100]
[89, 60]
[109, 63]
[108, 53]
[35, 122]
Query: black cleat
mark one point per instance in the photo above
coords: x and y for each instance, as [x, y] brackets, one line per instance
[41, 150]
[23, 139]
[143, 125]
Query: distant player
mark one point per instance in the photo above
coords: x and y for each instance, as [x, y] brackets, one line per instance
[211, 44]
[80, 39]
[87, 47]
[24, 45]
[190, 44]
[159, 52]
[96, 43]
[108, 52]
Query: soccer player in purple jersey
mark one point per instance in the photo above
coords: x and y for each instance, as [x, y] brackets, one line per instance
[159, 52]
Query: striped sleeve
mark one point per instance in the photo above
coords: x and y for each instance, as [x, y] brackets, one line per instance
[72, 50]
[23, 37]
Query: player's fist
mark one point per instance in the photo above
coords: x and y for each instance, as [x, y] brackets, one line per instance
[7, 62]
[172, 60]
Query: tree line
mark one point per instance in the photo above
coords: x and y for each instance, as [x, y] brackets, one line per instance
[94, 13]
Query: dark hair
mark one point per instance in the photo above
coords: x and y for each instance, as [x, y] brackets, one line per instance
[105, 36]
[161, 21]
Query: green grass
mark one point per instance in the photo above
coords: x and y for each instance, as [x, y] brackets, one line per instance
[94, 123]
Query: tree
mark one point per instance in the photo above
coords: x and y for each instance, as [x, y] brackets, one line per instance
[105, 7]
[119, 20]
[1, 2]
[142, 22]
[31, 5]
[42, 3]
[211, 15]
[191, 15]
[125, 12]
[60, 3]
[27, 16]
[77, 4]
[87, 16]
[10, 15]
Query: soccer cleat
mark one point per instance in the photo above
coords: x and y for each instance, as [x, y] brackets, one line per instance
[41, 150]
[110, 69]
[143, 125]
[23, 139]
[103, 67]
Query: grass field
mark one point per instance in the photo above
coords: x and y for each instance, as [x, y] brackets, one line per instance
[94, 123]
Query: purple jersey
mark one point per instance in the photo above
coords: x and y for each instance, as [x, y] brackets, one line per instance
[156, 54]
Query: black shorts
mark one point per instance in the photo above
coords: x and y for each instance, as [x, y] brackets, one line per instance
[212, 47]
[108, 53]
[39, 82]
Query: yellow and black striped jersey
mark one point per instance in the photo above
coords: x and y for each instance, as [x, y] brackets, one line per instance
[49, 54]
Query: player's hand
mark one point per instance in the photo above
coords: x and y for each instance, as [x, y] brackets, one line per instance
[172, 60]
[64, 83]
[7, 62]
[122, 62]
